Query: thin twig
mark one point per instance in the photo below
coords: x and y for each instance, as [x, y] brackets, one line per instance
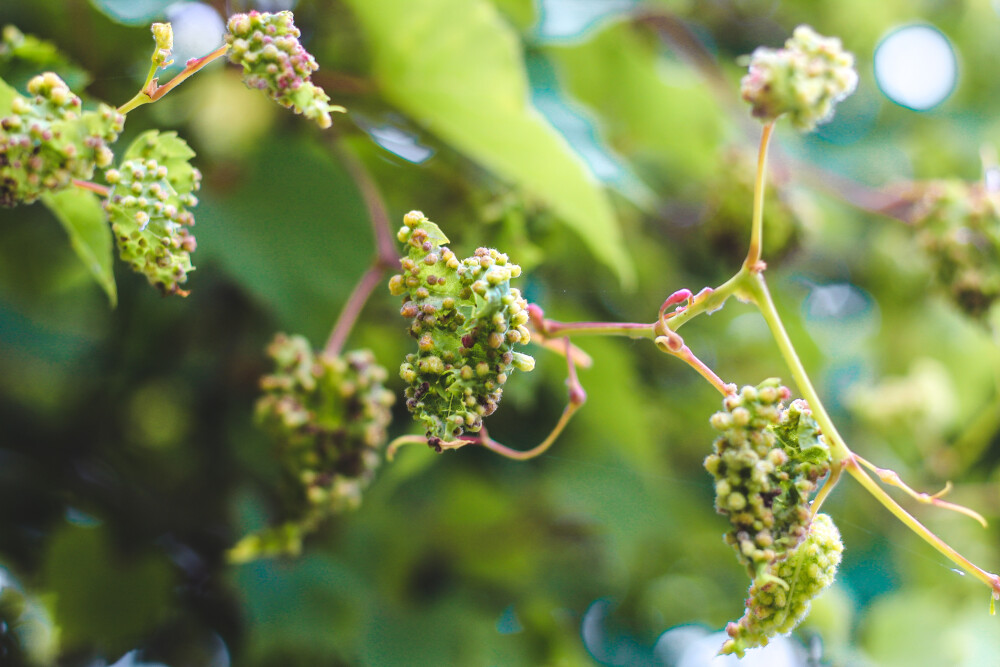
[102, 190]
[892, 478]
[385, 249]
[378, 214]
[835, 470]
[352, 309]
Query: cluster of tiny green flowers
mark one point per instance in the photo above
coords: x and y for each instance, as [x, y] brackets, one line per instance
[780, 599]
[48, 141]
[766, 463]
[163, 34]
[805, 79]
[148, 204]
[958, 225]
[466, 319]
[329, 413]
[267, 47]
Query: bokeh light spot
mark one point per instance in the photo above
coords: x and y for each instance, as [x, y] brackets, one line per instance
[916, 67]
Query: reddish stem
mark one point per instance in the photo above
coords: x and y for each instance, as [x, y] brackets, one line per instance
[385, 249]
[353, 307]
[102, 190]
[155, 91]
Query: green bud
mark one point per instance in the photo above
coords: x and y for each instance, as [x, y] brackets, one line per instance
[958, 226]
[767, 461]
[163, 34]
[147, 204]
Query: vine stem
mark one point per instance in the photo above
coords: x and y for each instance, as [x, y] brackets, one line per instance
[385, 252]
[750, 281]
[102, 190]
[352, 309]
[988, 578]
[757, 225]
[629, 329]
[151, 91]
[757, 287]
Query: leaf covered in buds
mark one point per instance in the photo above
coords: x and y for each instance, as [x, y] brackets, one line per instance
[267, 47]
[48, 140]
[766, 464]
[779, 599]
[329, 415]
[148, 204]
[467, 321]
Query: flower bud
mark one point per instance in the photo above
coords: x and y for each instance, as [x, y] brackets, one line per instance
[805, 79]
[267, 47]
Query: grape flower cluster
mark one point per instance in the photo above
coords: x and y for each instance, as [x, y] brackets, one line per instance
[467, 320]
[766, 462]
[48, 140]
[958, 226]
[805, 79]
[328, 414]
[267, 47]
[151, 192]
[780, 599]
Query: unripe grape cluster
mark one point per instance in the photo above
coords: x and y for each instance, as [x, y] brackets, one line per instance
[329, 413]
[958, 226]
[805, 79]
[780, 599]
[766, 463]
[49, 140]
[148, 204]
[467, 321]
[267, 47]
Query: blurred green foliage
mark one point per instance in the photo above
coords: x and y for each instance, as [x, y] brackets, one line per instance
[129, 462]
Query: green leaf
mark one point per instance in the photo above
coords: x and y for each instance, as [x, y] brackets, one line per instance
[101, 599]
[132, 12]
[658, 111]
[7, 95]
[170, 151]
[82, 217]
[456, 66]
[23, 56]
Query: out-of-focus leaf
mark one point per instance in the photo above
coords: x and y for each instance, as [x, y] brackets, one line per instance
[295, 234]
[519, 12]
[655, 109]
[23, 56]
[7, 95]
[456, 66]
[81, 215]
[168, 150]
[132, 12]
[101, 600]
